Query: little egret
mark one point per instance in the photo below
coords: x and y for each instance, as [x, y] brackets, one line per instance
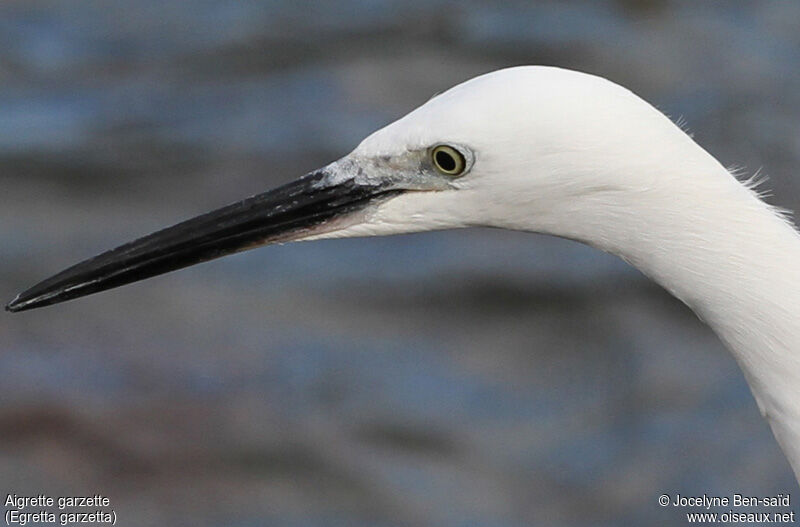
[539, 149]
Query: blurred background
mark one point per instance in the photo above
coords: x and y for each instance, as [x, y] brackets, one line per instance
[471, 378]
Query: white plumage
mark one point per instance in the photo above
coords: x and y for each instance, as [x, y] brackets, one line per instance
[574, 155]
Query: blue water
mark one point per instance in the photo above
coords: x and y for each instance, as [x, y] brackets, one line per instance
[477, 377]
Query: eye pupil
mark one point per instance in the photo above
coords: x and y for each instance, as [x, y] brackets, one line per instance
[445, 161]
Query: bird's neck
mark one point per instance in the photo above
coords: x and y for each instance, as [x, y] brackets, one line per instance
[736, 263]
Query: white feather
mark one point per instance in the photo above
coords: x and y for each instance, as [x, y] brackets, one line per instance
[578, 156]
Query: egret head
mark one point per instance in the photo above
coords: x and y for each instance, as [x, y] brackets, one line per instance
[532, 148]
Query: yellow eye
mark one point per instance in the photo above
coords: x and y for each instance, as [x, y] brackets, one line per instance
[448, 160]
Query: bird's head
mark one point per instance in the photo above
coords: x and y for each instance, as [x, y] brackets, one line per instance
[532, 148]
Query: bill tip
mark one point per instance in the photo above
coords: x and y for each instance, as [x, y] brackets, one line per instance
[15, 305]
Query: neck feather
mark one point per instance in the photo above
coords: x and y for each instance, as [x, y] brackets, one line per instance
[736, 263]
[730, 257]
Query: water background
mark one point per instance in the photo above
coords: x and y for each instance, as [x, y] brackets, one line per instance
[471, 378]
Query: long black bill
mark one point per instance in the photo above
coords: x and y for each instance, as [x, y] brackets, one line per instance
[285, 213]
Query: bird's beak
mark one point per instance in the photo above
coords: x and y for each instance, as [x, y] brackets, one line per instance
[294, 211]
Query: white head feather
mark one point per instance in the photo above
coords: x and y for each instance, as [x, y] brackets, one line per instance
[574, 155]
